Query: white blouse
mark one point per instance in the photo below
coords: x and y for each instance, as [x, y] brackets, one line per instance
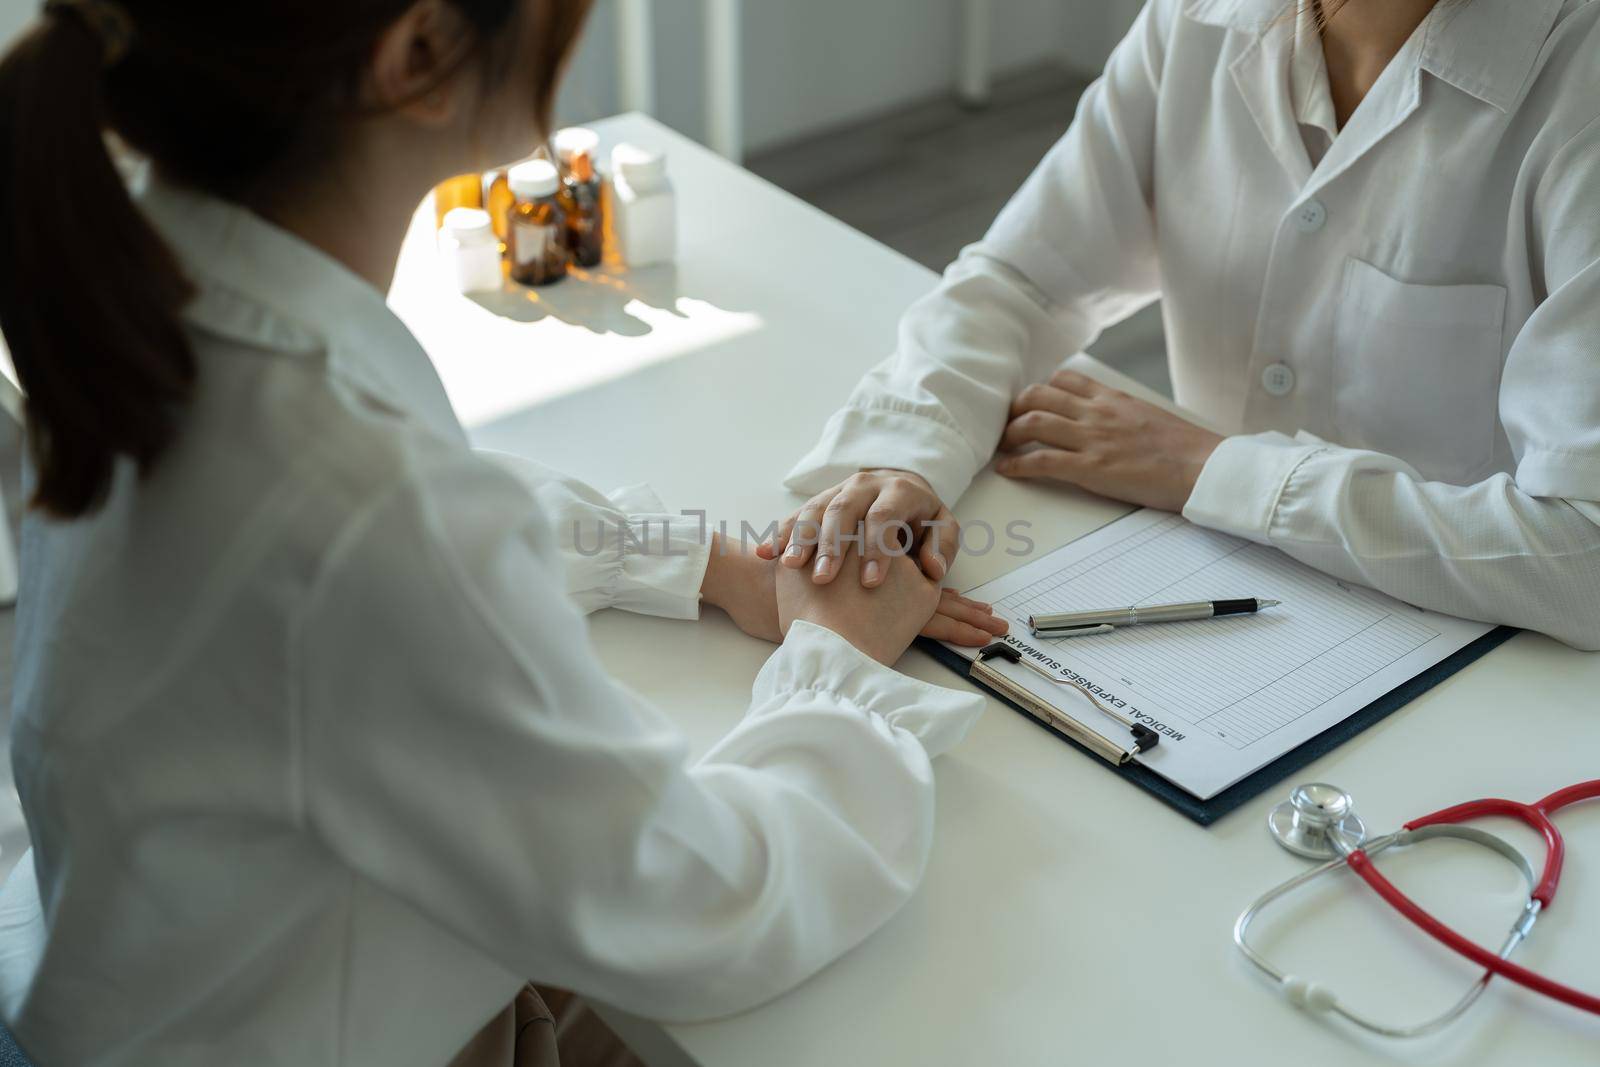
[1403, 335]
[319, 765]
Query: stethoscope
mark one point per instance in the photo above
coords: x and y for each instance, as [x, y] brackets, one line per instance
[1319, 822]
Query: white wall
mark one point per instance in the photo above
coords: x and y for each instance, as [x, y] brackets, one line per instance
[819, 63]
[14, 14]
[814, 64]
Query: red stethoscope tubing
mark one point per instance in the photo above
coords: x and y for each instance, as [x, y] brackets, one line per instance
[1538, 817]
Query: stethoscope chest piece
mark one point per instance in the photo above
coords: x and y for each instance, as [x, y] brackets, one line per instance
[1318, 822]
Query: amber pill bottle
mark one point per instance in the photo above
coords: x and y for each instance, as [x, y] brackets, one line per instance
[464, 190]
[536, 237]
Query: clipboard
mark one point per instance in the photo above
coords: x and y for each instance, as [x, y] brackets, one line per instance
[1206, 812]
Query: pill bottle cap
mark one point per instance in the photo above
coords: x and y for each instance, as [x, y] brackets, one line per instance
[638, 166]
[468, 225]
[575, 140]
[534, 179]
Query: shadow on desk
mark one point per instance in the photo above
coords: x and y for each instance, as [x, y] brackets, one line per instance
[597, 300]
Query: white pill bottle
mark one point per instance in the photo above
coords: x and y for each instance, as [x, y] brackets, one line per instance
[644, 207]
[473, 253]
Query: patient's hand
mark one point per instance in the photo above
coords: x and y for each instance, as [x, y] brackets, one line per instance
[964, 622]
[880, 622]
[745, 586]
[1105, 441]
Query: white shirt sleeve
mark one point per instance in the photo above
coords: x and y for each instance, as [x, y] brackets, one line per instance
[624, 550]
[1072, 253]
[1488, 551]
[482, 766]
[1522, 550]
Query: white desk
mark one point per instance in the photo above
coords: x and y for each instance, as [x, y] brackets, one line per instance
[1067, 917]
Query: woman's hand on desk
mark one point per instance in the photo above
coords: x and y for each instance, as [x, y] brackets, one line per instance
[745, 585]
[1105, 441]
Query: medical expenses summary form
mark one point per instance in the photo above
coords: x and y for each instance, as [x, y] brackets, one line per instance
[1227, 695]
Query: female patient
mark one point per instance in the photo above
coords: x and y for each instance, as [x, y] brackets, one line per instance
[318, 763]
[1373, 227]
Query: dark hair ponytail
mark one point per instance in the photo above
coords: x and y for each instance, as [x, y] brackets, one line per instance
[89, 293]
[220, 97]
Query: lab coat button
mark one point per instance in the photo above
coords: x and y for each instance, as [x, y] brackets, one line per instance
[1311, 216]
[1278, 379]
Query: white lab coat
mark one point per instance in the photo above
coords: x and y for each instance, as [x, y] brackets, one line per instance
[319, 765]
[1403, 338]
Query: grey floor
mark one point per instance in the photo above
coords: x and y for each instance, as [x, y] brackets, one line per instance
[927, 181]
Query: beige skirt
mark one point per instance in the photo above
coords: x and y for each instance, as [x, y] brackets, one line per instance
[545, 1028]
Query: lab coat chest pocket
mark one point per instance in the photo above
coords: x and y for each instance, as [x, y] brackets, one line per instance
[1417, 371]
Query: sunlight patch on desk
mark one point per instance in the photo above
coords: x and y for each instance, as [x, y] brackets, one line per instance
[561, 359]
[535, 345]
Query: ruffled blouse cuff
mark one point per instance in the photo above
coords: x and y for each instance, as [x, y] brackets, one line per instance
[814, 658]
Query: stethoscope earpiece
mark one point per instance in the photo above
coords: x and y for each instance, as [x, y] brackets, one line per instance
[1308, 995]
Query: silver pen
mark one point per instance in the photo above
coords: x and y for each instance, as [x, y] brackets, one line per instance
[1084, 623]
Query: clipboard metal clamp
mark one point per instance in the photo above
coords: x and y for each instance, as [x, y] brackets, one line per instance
[1144, 738]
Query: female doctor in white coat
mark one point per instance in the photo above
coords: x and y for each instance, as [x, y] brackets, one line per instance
[1377, 247]
[317, 761]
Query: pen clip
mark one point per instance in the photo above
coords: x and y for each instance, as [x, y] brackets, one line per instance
[1072, 631]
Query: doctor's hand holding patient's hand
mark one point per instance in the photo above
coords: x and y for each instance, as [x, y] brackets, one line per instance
[895, 512]
[1105, 441]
